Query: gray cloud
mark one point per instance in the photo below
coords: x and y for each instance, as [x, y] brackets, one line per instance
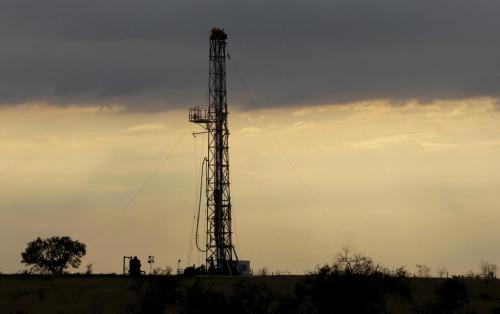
[152, 55]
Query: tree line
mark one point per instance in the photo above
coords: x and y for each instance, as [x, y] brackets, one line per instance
[55, 255]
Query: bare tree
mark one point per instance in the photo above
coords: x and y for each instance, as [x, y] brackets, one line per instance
[168, 270]
[442, 272]
[89, 269]
[423, 271]
[263, 271]
[401, 271]
[355, 263]
[488, 270]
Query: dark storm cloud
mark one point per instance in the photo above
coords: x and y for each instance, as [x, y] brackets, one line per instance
[152, 54]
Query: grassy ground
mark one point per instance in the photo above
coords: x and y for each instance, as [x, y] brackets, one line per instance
[119, 294]
[64, 294]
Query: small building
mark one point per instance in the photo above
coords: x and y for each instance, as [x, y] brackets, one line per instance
[245, 268]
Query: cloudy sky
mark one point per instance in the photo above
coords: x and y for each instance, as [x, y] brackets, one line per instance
[368, 123]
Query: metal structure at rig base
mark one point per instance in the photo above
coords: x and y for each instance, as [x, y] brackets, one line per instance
[221, 257]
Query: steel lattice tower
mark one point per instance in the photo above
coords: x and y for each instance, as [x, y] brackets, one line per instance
[221, 257]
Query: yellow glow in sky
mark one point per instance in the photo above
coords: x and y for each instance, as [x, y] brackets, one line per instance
[407, 183]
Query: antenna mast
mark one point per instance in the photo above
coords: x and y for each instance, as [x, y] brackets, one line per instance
[221, 257]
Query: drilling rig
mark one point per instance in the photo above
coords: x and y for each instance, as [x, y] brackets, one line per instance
[221, 257]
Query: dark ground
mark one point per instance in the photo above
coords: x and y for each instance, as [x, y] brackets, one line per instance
[259, 294]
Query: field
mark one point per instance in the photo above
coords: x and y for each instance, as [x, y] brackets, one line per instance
[170, 294]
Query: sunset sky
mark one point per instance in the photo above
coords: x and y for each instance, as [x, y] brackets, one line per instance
[373, 124]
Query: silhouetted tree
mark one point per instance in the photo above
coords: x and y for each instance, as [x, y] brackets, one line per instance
[89, 268]
[442, 272]
[353, 284]
[53, 255]
[264, 271]
[355, 263]
[423, 271]
[401, 272]
[488, 270]
[331, 291]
